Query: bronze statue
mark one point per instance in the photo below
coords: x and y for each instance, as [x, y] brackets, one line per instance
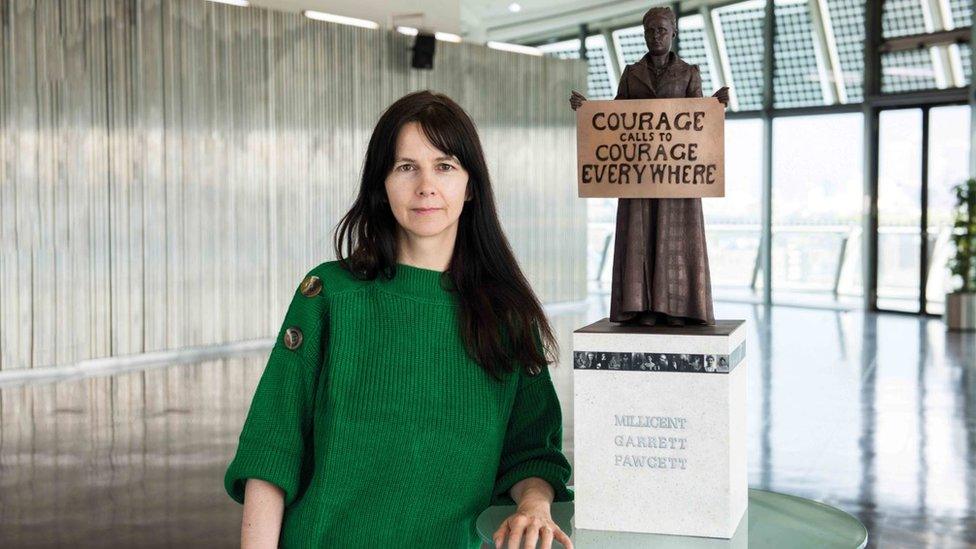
[660, 263]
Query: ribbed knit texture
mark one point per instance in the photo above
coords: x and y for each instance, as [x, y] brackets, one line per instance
[381, 430]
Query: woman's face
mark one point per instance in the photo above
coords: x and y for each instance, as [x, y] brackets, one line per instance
[426, 187]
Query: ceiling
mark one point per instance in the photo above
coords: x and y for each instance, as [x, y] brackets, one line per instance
[481, 20]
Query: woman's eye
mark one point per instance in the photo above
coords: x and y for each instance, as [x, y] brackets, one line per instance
[444, 166]
[404, 167]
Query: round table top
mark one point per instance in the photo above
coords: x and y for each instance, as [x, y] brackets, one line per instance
[771, 520]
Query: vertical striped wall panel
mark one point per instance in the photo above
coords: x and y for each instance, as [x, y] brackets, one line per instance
[170, 169]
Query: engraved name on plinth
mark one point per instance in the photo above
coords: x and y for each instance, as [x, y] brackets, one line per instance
[660, 428]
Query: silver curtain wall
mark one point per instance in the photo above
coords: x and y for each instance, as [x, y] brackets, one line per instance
[170, 169]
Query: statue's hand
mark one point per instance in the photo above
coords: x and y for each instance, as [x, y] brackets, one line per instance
[576, 100]
[722, 95]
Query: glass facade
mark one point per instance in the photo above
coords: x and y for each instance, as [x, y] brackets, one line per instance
[949, 135]
[739, 35]
[907, 70]
[934, 67]
[630, 44]
[902, 18]
[733, 224]
[693, 48]
[844, 27]
[601, 82]
[899, 208]
[817, 187]
[799, 74]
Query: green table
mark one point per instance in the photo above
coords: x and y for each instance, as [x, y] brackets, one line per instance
[772, 520]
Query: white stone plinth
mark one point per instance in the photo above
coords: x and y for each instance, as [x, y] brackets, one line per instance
[660, 428]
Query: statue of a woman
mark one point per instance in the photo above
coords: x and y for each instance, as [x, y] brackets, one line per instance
[660, 264]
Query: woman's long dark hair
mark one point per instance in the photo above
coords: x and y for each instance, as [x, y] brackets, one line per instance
[500, 319]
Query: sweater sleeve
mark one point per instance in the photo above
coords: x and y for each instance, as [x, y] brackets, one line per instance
[274, 444]
[533, 441]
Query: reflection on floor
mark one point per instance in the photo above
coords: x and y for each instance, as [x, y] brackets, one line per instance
[875, 414]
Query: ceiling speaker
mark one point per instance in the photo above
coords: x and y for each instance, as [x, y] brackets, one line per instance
[423, 51]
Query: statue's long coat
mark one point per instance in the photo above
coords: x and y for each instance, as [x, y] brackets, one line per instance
[660, 263]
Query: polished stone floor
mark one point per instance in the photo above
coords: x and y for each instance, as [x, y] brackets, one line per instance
[872, 413]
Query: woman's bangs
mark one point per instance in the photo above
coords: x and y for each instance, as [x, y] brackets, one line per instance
[443, 132]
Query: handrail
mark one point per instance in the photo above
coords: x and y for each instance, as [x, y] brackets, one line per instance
[846, 233]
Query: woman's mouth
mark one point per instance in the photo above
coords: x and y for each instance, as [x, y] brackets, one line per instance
[425, 211]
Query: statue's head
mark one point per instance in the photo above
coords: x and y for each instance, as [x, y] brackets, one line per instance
[660, 28]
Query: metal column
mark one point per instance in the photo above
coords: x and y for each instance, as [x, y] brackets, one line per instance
[872, 87]
[766, 239]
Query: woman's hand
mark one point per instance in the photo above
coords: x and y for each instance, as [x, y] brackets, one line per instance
[531, 522]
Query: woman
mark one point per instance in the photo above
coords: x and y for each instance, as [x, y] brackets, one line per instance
[408, 387]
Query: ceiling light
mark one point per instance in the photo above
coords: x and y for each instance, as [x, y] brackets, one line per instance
[409, 31]
[341, 19]
[447, 37]
[517, 48]
[514, 7]
[241, 3]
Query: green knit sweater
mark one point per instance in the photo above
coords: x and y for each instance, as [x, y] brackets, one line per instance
[378, 426]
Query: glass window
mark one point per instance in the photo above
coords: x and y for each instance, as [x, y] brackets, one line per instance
[965, 62]
[948, 166]
[693, 48]
[601, 214]
[962, 12]
[733, 223]
[907, 70]
[899, 208]
[630, 44]
[797, 73]
[846, 24]
[601, 83]
[739, 34]
[817, 190]
[902, 18]
[931, 68]
[961, 16]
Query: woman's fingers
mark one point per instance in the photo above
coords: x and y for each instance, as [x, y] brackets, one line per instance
[534, 531]
[516, 527]
[545, 542]
[531, 535]
[562, 538]
[499, 536]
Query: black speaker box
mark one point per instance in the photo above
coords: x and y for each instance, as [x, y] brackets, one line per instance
[423, 51]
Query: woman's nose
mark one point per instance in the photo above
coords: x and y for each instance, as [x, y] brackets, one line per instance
[425, 187]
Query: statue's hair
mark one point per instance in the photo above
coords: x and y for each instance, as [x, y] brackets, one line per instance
[661, 11]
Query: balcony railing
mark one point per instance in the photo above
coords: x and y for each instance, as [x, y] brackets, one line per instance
[807, 258]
